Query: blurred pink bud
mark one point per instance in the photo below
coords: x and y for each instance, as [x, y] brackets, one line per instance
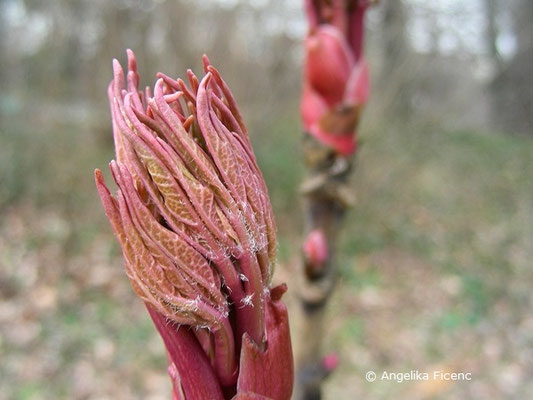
[330, 362]
[329, 63]
[194, 220]
[316, 248]
[336, 82]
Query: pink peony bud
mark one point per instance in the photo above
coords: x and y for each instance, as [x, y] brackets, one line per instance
[329, 63]
[316, 249]
[195, 224]
[330, 362]
[336, 81]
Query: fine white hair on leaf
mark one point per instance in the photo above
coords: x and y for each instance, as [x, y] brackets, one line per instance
[243, 277]
[247, 301]
[223, 314]
[227, 253]
[228, 288]
[192, 304]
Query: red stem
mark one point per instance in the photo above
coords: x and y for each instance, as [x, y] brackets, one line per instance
[198, 379]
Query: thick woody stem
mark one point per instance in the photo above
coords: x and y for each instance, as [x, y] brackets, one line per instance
[326, 200]
[333, 94]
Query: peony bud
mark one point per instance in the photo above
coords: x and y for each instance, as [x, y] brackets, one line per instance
[316, 251]
[336, 81]
[195, 224]
[330, 362]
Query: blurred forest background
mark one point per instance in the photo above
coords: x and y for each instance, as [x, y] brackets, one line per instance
[436, 255]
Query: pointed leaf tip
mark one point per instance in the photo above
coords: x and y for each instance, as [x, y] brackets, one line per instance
[132, 62]
[117, 68]
[206, 62]
[99, 180]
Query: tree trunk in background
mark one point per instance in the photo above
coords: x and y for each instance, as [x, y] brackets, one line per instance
[4, 59]
[523, 17]
[491, 29]
[394, 22]
[511, 89]
[395, 67]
